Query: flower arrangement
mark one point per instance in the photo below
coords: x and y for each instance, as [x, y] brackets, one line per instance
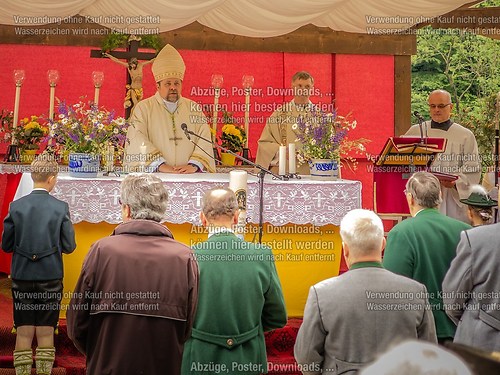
[6, 120]
[233, 136]
[325, 136]
[79, 128]
[29, 133]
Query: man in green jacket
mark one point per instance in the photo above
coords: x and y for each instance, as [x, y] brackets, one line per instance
[423, 246]
[240, 296]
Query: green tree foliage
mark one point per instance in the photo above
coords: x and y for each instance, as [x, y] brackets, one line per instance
[468, 66]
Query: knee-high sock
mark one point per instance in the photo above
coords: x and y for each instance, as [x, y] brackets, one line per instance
[23, 360]
[44, 359]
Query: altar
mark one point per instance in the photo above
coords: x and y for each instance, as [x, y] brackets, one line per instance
[301, 219]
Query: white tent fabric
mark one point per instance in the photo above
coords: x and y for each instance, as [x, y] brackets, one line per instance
[253, 18]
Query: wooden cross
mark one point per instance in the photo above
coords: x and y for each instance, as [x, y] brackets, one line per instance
[131, 52]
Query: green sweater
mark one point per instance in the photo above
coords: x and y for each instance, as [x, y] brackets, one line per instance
[240, 297]
[422, 248]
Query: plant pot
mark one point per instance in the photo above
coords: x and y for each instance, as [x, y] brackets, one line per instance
[28, 156]
[83, 165]
[324, 169]
[227, 158]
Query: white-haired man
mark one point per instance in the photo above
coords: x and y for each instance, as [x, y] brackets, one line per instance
[350, 319]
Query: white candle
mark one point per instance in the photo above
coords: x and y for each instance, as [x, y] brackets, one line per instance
[216, 108]
[143, 156]
[247, 114]
[51, 102]
[110, 157]
[16, 105]
[96, 95]
[282, 160]
[292, 168]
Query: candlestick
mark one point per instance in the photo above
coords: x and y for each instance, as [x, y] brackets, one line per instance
[217, 80]
[18, 79]
[282, 161]
[143, 156]
[292, 167]
[238, 182]
[110, 157]
[247, 82]
[97, 78]
[51, 102]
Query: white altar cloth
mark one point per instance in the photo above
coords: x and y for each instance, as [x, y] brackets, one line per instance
[295, 201]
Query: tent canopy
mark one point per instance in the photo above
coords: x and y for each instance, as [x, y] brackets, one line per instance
[251, 18]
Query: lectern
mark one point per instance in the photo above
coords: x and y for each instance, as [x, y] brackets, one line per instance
[399, 159]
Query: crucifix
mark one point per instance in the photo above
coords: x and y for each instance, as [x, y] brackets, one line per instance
[134, 90]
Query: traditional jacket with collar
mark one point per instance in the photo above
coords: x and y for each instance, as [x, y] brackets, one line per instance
[422, 248]
[239, 298]
[38, 230]
[352, 318]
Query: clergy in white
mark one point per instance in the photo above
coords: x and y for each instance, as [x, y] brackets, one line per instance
[156, 124]
[278, 130]
[461, 157]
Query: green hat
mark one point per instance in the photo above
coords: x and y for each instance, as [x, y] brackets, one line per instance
[479, 200]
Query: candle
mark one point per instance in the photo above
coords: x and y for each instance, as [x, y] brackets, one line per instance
[51, 103]
[216, 108]
[53, 78]
[18, 79]
[247, 82]
[110, 157]
[96, 95]
[98, 78]
[238, 182]
[247, 114]
[291, 159]
[282, 161]
[217, 80]
[16, 105]
[143, 156]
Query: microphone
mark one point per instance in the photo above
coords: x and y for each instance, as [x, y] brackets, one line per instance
[421, 121]
[419, 116]
[186, 131]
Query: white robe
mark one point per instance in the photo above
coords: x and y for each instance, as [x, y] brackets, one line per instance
[160, 132]
[460, 158]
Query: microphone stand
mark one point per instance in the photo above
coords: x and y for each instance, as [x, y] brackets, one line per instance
[262, 173]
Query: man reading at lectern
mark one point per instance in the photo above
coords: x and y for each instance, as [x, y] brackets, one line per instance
[460, 158]
[155, 138]
[278, 130]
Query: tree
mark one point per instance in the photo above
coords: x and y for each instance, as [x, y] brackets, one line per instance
[466, 65]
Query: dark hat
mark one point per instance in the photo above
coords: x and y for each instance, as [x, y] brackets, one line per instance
[479, 200]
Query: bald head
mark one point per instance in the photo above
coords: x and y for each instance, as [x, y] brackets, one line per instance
[219, 204]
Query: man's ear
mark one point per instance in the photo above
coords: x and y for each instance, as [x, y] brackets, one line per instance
[236, 217]
[203, 219]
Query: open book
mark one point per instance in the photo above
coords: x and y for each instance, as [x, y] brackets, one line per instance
[410, 151]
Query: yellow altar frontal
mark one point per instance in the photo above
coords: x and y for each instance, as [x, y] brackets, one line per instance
[303, 254]
[301, 222]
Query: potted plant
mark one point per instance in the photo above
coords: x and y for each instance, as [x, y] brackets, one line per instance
[27, 135]
[85, 133]
[232, 137]
[324, 142]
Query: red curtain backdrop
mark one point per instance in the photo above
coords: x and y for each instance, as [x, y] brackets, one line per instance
[361, 84]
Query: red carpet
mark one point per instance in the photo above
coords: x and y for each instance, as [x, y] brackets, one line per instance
[69, 361]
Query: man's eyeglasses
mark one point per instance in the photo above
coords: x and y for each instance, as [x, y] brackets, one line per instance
[440, 106]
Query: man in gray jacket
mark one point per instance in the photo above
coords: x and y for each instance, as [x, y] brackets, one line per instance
[471, 288]
[350, 319]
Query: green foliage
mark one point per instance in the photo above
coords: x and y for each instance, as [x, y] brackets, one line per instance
[117, 40]
[466, 65]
